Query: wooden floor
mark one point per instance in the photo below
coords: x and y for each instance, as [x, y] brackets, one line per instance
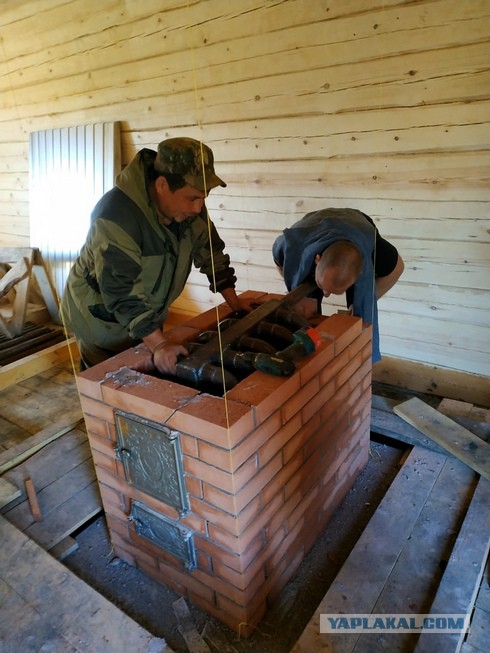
[424, 550]
[44, 607]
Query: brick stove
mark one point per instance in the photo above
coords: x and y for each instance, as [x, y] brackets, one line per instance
[221, 498]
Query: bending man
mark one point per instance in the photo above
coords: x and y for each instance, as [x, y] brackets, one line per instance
[344, 252]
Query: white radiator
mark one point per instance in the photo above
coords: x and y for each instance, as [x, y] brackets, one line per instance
[70, 169]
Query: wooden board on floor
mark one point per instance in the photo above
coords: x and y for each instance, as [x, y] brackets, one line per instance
[448, 434]
[54, 610]
[385, 421]
[8, 492]
[395, 567]
[34, 364]
[29, 446]
[414, 579]
[66, 488]
[461, 580]
[361, 580]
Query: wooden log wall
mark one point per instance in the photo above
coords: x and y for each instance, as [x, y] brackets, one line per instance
[381, 105]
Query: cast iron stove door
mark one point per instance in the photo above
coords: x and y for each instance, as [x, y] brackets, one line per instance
[152, 459]
[164, 533]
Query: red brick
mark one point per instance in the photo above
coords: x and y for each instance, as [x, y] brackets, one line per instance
[315, 363]
[154, 399]
[194, 522]
[230, 459]
[281, 515]
[244, 628]
[102, 460]
[115, 499]
[231, 523]
[218, 552]
[296, 403]
[331, 371]
[278, 439]
[130, 491]
[300, 510]
[242, 544]
[277, 484]
[342, 401]
[239, 596]
[219, 498]
[301, 436]
[235, 578]
[276, 557]
[256, 439]
[188, 580]
[367, 352]
[348, 374]
[89, 387]
[97, 409]
[255, 485]
[367, 381]
[164, 579]
[282, 573]
[204, 562]
[194, 486]
[342, 328]
[97, 426]
[265, 393]
[189, 445]
[362, 343]
[213, 421]
[217, 477]
[102, 444]
[241, 614]
[315, 404]
[118, 524]
[140, 557]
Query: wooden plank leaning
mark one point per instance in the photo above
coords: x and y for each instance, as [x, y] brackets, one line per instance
[455, 439]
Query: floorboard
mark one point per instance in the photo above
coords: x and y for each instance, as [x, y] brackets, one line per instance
[55, 611]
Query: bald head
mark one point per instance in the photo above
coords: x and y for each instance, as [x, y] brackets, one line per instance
[338, 268]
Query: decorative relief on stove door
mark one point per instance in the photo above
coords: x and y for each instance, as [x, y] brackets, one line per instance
[164, 533]
[152, 459]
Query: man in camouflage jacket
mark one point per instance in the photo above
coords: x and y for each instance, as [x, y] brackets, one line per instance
[144, 237]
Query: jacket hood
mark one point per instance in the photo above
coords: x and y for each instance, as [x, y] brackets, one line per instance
[132, 180]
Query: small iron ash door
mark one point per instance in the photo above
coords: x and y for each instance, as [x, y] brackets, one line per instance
[164, 533]
[152, 459]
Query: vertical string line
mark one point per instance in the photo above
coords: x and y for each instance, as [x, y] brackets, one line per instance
[208, 222]
[375, 253]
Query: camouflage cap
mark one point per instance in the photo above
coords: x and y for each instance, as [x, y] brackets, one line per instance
[189, 158]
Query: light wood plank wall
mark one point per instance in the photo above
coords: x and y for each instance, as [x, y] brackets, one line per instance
[377, 105]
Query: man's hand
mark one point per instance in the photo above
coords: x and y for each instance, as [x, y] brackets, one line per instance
[237, 304]
[165, 356]
[165, 352]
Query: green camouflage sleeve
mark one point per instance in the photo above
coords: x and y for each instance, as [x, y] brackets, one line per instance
[210, 257]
